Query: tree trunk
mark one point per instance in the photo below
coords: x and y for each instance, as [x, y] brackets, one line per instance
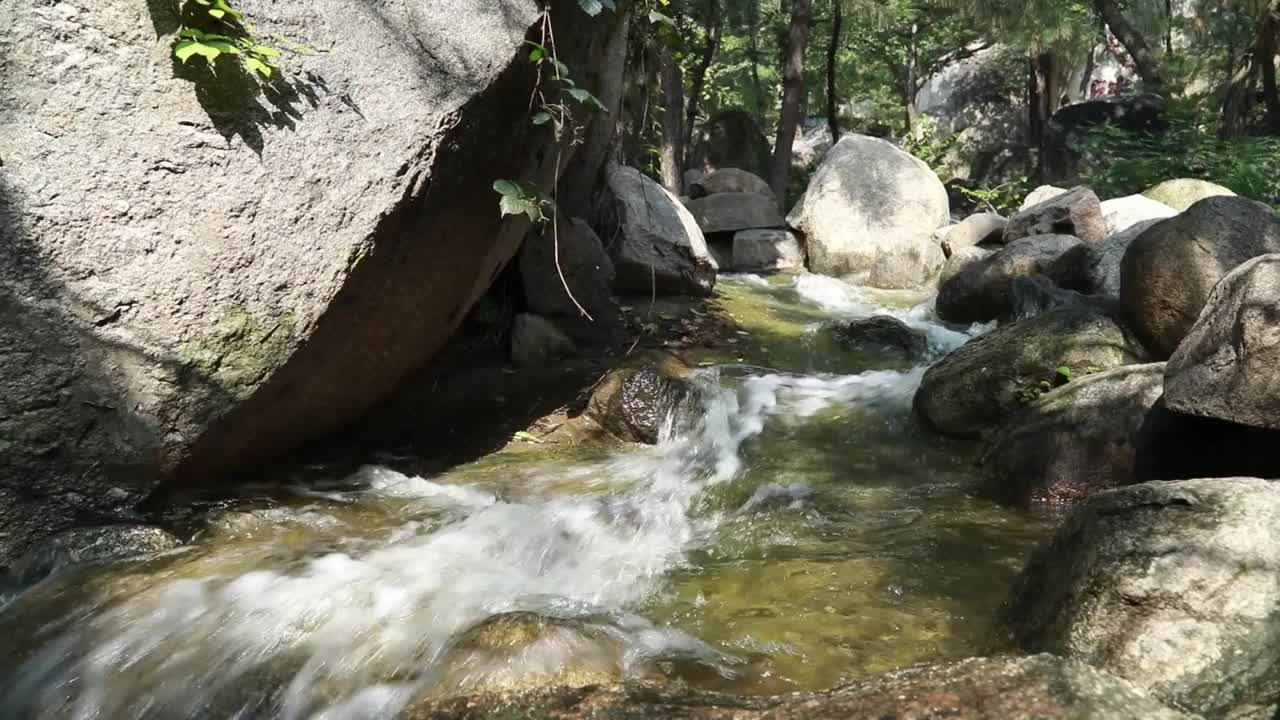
[792, 93]
[672, 150]
[757, 90]
[699, 79]
[1238, 100]
[833, 50]
[1266, 59]
[909, 81]
[1040, 107]
[1143, 58]
[1168, 28]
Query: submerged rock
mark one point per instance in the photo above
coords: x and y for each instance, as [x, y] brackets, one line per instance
[1181, 194]
[998, 688]
[1077, 212]
[885, 334]
[1170, 269]
[658, 242]
[84, 546]
[978, 387]
[633, 403]
[867, 200]
[982, 291]
[1073, 441]
[1172, 585]
[1228, 366]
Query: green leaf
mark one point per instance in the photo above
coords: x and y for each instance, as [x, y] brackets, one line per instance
[224, 46]
[527, 437]
[257, 66]
[506, 187]
[587, 99]
[265, 50]
[191, 33]
[185, 49]
[1064, 371]
[541, 118]
[536, 54]
[562, 70]
[591, 7]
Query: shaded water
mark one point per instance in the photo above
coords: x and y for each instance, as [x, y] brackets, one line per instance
[796, 530]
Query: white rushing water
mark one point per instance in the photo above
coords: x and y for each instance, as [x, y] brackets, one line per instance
[357, 630]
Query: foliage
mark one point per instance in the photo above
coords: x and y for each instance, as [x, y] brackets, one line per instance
[1120, 162]
[925, 143]
[1003, 198]
[213, 28]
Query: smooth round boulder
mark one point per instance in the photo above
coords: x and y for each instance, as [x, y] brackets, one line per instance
[1032, 295]
[974, 230]
[977, 388]
[1169, 270]
[868, 199]
[1228, 366]
[1075, 440]
[636, 403]
[1172, 585]
[1040, 194]
[1077, 212]
[1122, 213]
[980, 292]
[885, 334]
[1182, 193]
[914, 265]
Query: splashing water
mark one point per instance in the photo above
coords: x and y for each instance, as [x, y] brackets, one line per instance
[351, 605]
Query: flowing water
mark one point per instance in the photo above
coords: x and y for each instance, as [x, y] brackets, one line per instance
[797, 529]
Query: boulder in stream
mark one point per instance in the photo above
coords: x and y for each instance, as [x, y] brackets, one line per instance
[1074, 441]
[1172, 585]
[1170, 269]
[981, 291]
[634, 403]
[977, 229]
[869, 200]
[977, 388]
[885, 334]
[1094, 268]
[766, 250]
[996, 688]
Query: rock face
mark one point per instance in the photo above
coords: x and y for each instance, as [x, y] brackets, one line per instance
[1169, 270]
[161, 315]
[1120, 214]
[913, 265]
[978, 387]
[867, 200]
[998, 688]
[1073, 441]
[732, 139]
[658, 241]
[1182, 193]
[1228, 366]
[1076, 212]
[729, 180]
[732, 211]
[633, 403]
[1094, 268]
[587, 270]
[974, 230]
[766, 250]
[982, 290]
[885, 334]
[1172, 585]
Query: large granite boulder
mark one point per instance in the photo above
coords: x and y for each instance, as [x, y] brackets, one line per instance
[1169, 270]
[733, 211]
[867, 200]
[1172, 585]
[1032, 295]
[199, 272]
[1041, 194]
[1182, 193]
[997, 688]
[1122, 213]
[961, 259]
[1073, 441]
[766, 251]
[982, 290]
[1094, 268]
[728, 180]
[915, 264]
[975, 389]
[1076, 212]
[656, 242]
[1228, 366]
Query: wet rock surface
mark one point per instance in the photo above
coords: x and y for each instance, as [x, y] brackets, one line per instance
[633, 403]
[885, 334]
[982, 291]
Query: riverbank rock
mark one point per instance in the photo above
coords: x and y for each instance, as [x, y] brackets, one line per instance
[1172, 585]
[1077, 212]
[1169, 270]
[766, 251]
[998, 688]
[1074, 441]
[1181, 194]
[976, 229]
[1094, 268]
[729, 180]
[961, 259]
[1228, 366]
[732, 211]
[1120, 214]
[658, 242]
[868, 200]
[885, 334]
[913, 265]
[634, 403]
[975, 389]
[587, 269]
[981, 290]
[163, 319]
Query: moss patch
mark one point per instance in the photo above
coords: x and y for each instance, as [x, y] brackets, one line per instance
[240, 351]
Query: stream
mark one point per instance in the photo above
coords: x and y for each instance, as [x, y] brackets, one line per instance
[796, 529]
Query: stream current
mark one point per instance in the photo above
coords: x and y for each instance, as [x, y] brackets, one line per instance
[795, 530]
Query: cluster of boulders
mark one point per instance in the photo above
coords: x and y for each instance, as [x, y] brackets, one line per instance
[1134, 369]
[738, 214]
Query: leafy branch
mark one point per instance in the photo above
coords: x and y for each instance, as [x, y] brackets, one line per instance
[216, 29]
